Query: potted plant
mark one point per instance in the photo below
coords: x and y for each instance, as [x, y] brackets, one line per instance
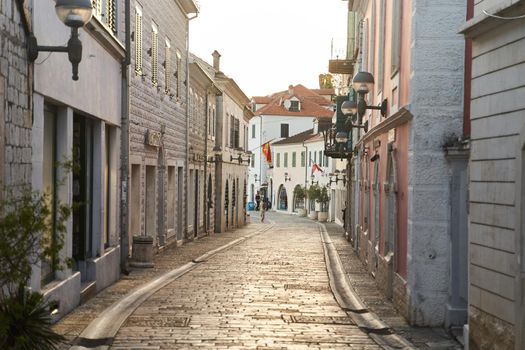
[300, 195]
[313, 194]
[323, 199]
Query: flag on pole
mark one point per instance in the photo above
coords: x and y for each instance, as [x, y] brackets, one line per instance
[267, 152]
[316, 168]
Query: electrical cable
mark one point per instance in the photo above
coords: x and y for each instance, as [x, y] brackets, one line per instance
[504, 18]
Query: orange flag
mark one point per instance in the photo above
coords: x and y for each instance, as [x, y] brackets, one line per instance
[267, 152]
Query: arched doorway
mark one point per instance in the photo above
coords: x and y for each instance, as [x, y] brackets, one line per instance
[282, 199]
[226, 205]
[244, 201]
[209, 203]
[376, 229]
[234, 204]
[298, 201]
[390, 223]
[270, 200]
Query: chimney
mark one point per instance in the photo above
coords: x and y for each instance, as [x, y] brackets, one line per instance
[290, 90]
[216, 60]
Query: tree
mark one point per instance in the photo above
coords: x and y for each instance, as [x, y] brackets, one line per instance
[323, 198]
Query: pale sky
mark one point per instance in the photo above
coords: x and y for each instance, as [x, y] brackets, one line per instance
[267, 45]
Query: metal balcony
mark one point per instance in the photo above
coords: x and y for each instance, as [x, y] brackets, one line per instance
[341, 66]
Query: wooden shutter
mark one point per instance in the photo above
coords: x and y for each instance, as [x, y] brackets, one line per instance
[138, 41]
[154, 56]
[167, 68]
[111, 15]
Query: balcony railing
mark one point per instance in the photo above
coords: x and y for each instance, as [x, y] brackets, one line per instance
[341, 66]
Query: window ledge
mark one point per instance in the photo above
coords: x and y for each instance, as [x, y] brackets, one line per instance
[103, 35]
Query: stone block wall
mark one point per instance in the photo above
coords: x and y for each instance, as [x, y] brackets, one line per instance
[152, 109]
[15, 103]
[437, 108]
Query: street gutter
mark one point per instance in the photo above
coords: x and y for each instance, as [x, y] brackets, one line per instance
[349, 301]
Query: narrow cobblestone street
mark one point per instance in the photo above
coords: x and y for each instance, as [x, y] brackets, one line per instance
[271, 290]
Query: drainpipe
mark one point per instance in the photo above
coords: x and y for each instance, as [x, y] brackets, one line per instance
[206, 134]
[187, 134]
[124, 145]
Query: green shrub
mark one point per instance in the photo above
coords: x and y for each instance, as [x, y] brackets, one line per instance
[25, 322]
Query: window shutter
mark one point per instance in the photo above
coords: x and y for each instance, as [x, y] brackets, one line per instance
[138, 41]
[396, 36]
[97, 8]
[111, 15]
[167, 68]
[155, 56]
[179, 74]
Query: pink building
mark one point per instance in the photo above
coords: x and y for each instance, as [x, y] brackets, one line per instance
[407, 223]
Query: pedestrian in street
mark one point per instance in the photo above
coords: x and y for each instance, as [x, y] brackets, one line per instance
[264, 207]
[257, 201]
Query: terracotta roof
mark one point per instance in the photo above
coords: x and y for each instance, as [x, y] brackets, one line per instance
[298, 138]
[324, 91]
[262, 99]
[312, 104]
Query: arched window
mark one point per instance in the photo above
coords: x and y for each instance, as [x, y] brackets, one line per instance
[390, 187]
[283, 198]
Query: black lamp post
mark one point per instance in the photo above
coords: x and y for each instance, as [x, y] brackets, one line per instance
[74, 14]
[363, 83]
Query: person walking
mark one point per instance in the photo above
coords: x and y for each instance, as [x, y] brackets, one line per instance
[257, 201]
[264, 207]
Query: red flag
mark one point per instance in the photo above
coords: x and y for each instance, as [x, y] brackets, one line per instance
[315, 168]
[267, 152]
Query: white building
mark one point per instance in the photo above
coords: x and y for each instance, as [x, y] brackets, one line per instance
[294, 160]
[279, 116]
[79, 121]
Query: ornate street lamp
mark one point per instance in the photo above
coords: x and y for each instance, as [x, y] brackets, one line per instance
[74, 14]
[363, 83]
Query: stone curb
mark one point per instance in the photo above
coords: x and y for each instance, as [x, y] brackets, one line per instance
[348, 299]
[99, 334]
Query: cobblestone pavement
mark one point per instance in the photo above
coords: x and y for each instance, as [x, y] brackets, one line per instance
[74, 323]
[270, 291]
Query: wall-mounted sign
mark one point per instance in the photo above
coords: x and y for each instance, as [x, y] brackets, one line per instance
[153, 138]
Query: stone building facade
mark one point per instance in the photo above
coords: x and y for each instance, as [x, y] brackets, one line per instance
[403, 206]
[15, 97]
[158, 135]
[231, 152]
[203, 92]
[497, 175]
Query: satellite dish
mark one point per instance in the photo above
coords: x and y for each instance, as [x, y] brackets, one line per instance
[287, 104]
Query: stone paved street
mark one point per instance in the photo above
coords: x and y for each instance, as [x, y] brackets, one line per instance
[269, 291]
